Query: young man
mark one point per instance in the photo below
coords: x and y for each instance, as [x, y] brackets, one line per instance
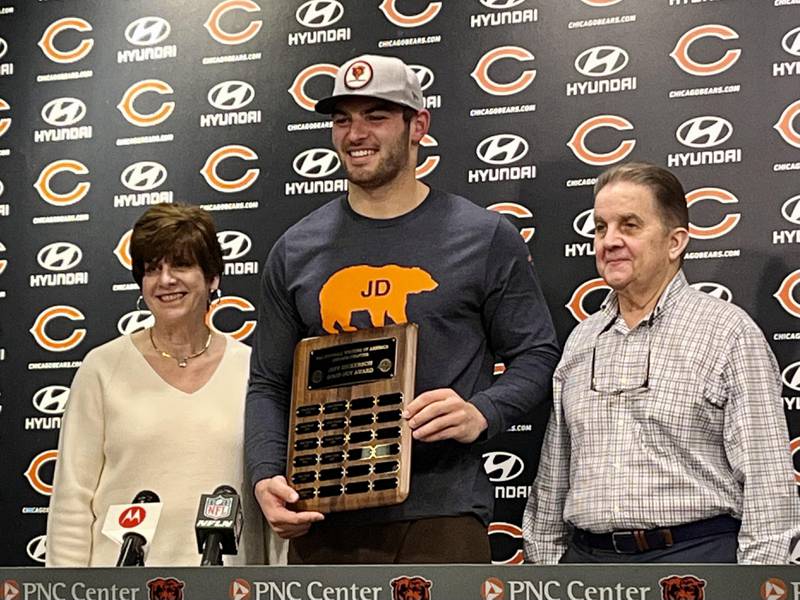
[477, 299]
[668, 441]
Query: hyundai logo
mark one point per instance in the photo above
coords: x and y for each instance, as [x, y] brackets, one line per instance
[147, 31]
[791, 42]
[143, 176]
[134, 321]
[2, 188]
[791, 210]
[704, 132]
[501, 4]
[63, 112]
[319, 13]
[37, 548]
[502, 466]
[51, 400]
[235, 244]
[583, 224]
[316, 163]
[502, 149]
[424, 74]
[791, 376]
[3, 47]
[714, 289]
[231, 95]
[59, 256]
[601, 61]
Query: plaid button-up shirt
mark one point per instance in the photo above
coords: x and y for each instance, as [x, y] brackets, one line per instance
[686, 422]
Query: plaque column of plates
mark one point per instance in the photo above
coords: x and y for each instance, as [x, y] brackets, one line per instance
[348, 446]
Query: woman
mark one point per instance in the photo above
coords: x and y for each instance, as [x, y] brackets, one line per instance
[161, 409]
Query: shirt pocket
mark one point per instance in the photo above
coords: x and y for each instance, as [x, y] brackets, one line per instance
[680, 417]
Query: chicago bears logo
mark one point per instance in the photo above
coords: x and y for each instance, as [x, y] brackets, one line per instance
[725, 225]
[786, 126]
[577, 142]
[167, 588]
[389, 9]
[430, 162]
[214, 22]
[481, 71]
[411, 588]
[48, 46]
[680, 54]
[515, 533]
[76, 194]
[227, 186]
[686, 587]
[133, 116]
[518, 211]
[33, 473]
[785, 293]
[380, 291]
[240, 304]
[576, 302]
[298, 89]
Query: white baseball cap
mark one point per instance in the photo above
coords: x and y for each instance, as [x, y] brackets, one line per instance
[373, 76]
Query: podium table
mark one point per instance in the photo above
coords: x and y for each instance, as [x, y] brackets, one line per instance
[406, 582]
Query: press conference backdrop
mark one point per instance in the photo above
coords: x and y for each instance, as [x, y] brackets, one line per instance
[109, 107]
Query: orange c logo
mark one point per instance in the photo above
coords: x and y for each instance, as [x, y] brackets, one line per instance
[513, 531]
[209, 170]
[123, 250]
[56, 312]
[575, 304]
[133, 116]
[785, 124]
[431, 162]
[481, 72]
[298, 91]
[389, 8]
[32, 473]
[577, 142]
[77, 193]
[238, 303]
[726, 225]
[5, 122]
[69, 56]
[680, 54]
[785, 296]
[213, 26]
[516, 210]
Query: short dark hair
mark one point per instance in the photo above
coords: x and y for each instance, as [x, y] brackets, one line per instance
[667, 190]
[181, 234]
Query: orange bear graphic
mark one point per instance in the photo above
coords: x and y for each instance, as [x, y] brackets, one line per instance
[382, 291]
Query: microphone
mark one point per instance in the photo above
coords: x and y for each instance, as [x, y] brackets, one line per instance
[133, 526]
[218, 525]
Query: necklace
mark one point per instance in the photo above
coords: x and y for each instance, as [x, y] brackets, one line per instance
[182, 362]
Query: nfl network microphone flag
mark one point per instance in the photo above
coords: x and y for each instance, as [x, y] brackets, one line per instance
[218, 525]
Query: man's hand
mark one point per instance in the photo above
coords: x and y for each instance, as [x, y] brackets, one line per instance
[444, 415]
[273, 494]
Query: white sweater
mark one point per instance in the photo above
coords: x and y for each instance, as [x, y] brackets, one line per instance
[127, 430]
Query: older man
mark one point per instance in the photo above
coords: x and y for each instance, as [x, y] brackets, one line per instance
[482, 301]
[668, 441]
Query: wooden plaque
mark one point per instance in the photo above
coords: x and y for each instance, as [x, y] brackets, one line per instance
[348, 446]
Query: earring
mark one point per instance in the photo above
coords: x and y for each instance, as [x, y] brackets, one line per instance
[139, 301]
[214, 296]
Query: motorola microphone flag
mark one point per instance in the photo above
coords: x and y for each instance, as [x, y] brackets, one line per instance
[133, 526]
[218, 525]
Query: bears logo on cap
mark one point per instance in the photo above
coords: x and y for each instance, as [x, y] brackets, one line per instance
[358, 75]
